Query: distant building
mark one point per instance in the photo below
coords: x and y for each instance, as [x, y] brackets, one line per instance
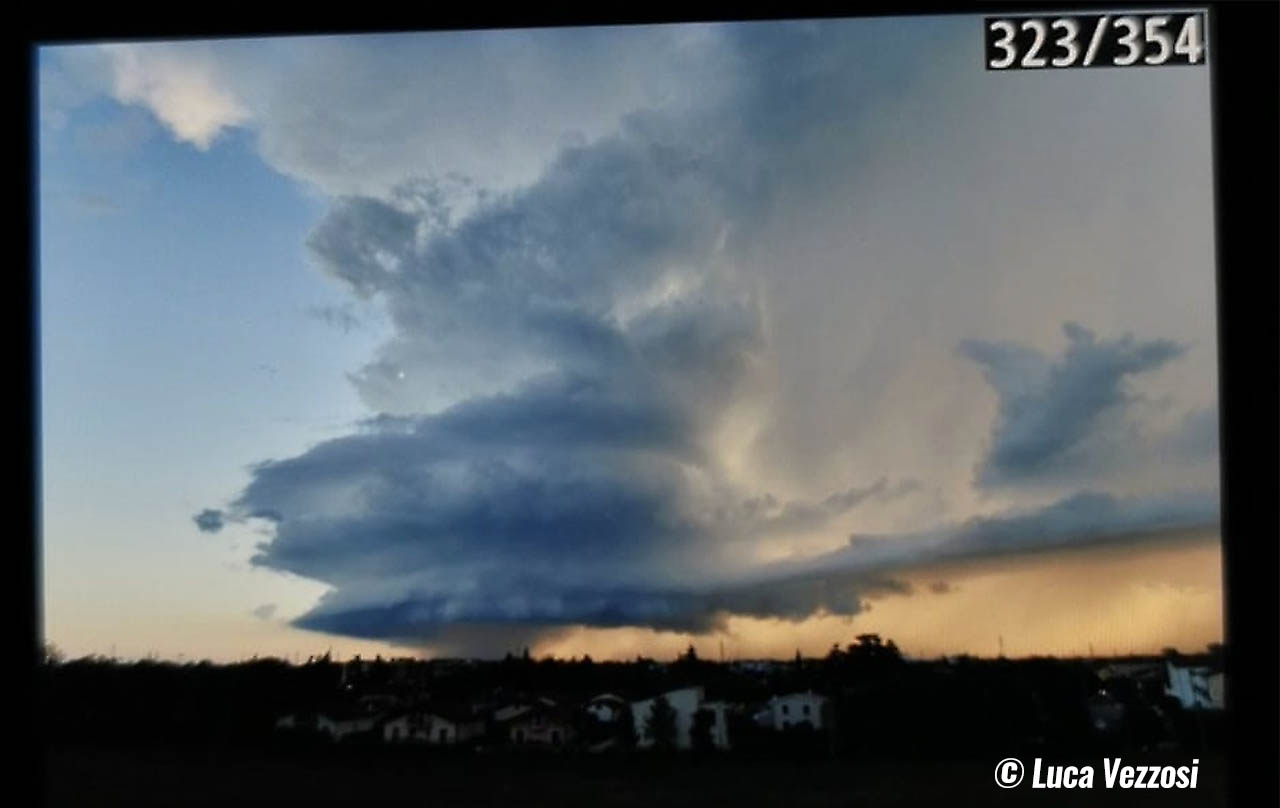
[337, 723]
[296, 721]
[686, 703]
[719, 722]
[342, 726]
[542, 725]
[606, 707]
[1196, 687]
[508, 712]
[796, 710]
[433, 727]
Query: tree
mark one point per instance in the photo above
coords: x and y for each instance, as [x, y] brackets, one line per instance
[871, 648]
[660, 724]
[625, 728]
[700, 732]
[869, 640]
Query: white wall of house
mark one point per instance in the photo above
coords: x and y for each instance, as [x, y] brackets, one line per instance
[796, 708]
[606, 707]
[429, 728]
[685, 702]
[720, 726]
[397, 730]
[603, 711]
[1218, 691]
[443, 730]
[341, 728]
[1195, 688]
[539, 729]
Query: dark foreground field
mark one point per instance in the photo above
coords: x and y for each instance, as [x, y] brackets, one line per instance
[105, 776]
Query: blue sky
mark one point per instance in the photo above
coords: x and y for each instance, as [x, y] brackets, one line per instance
[179, 344]
[466, 341]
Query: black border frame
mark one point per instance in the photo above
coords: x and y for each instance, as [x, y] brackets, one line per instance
[1243, 37]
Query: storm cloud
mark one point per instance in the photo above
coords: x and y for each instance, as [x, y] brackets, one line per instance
[1073, 418]
[598, 328]
[543, 592]
[557, 440]
[1080, 519]
[209, 520]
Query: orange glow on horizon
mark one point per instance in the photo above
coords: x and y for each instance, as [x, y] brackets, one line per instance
[1119, 600]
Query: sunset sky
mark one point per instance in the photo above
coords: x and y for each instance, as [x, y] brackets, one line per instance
[608, 340]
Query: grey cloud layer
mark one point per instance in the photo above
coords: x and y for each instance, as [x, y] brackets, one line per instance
[1080, 519]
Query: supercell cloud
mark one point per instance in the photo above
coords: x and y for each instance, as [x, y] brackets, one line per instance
[550, 448]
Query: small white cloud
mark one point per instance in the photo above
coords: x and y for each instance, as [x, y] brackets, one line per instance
[181, 88]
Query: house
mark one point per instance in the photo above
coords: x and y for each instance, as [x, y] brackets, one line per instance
[542, 724]
[296, 721]
[719, 728]
[512, 710]
[1196, 687]
[796, 710]
[336, 722]
[340, 725]
[436, 726]
[606, 708]
[686, 703]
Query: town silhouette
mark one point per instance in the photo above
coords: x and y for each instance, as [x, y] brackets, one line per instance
[691, 728]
